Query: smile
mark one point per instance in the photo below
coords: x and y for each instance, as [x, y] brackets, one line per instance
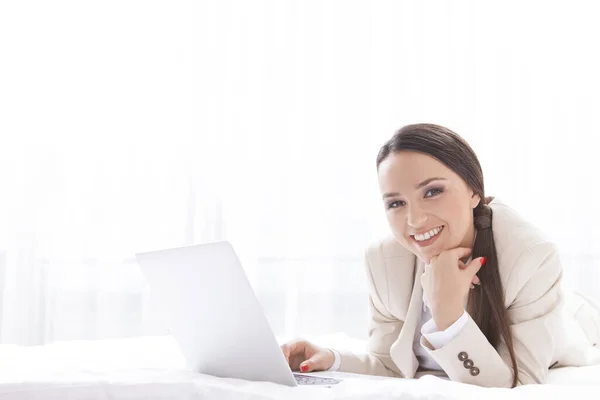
[429, 237]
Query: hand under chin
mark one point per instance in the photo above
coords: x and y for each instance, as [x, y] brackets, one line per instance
[426, 255]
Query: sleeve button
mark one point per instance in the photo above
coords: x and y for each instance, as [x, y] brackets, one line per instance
[462, 356]
[468, 363]
[474, 371]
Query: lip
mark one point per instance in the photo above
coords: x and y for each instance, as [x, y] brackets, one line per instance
[429, 241]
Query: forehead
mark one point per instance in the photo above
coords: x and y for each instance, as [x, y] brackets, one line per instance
[410, 168]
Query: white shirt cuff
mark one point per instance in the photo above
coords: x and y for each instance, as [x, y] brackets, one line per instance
[337, 362]
[439, 339]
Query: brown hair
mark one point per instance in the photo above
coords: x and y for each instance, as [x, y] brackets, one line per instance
[486, 304]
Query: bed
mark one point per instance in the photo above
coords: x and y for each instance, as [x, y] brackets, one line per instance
[153, 368]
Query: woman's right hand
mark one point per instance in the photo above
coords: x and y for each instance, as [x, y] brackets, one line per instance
[306, 357]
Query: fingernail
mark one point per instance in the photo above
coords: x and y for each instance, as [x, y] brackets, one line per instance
[304, 368]
[483, 260]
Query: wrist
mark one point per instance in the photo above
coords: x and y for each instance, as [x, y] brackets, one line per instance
[444, 320]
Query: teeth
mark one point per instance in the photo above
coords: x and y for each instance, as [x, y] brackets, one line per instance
[428, 235]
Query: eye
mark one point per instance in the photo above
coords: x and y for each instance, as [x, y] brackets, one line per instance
[434, 192]
[395, 204]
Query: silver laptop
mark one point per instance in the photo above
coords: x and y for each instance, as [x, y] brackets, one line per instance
[215, 316]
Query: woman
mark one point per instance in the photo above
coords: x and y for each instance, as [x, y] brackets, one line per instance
[464, 287]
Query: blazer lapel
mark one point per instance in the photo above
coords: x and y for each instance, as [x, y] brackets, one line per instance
[402, 350]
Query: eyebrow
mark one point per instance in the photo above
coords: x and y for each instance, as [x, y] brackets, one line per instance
[419, 186]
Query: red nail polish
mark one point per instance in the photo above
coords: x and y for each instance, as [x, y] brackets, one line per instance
[483, 260]
[304, 368]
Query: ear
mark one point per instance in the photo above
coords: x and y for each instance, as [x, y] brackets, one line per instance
[475, 200]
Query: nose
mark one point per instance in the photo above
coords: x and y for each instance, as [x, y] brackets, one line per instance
[416, 217]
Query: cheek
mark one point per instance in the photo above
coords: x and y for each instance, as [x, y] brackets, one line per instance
[395, 221]
[398, 227]
[458, 222]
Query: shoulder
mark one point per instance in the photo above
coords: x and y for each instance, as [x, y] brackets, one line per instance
[387, 248]
[522, 249]
[388, 251]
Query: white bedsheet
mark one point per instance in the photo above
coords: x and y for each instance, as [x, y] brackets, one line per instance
[152, 368]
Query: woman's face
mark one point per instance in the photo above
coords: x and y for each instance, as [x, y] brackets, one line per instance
[428, 206]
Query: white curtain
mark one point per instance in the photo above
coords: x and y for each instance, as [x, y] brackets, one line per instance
[133, 126]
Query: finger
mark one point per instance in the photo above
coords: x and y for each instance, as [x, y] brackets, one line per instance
[475, 265]
[460, 252]
[475, 280]
[315, 363]
[293, 348]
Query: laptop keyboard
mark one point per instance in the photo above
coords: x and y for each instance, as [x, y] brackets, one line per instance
[314, 380]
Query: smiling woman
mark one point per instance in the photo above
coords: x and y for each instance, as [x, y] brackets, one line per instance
[449, 194]
[486, 284]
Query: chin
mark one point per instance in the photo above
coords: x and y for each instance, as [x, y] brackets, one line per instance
[422, 254]
[426, 255]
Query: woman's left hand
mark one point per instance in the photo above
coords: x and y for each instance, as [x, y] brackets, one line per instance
[446, 283]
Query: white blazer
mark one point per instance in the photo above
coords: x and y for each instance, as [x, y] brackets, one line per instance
[530, 271]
